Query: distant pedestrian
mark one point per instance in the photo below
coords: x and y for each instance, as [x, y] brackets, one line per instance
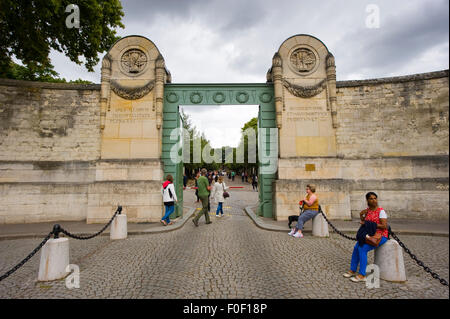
[203, 193]
[246, 177]
[185, 180]
[196, 186]
[255, 182]
[233, 174]
[217, 194]
[243, 176]
[169, 199]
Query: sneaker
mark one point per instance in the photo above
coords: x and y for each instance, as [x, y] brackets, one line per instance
[217, 216]
[298, 235]
[292, 232]
[349, 274]
[358, 278]
[195, 222]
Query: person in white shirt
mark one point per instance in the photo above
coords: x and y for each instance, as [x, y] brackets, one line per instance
[169, 199]
[217, 194]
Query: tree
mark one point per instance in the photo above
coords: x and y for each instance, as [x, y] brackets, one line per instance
[29, 29]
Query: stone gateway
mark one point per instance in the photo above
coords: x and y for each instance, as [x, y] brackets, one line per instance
[75, 152]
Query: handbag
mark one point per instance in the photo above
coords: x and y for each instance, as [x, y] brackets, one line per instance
[373, 240]
[225, 194]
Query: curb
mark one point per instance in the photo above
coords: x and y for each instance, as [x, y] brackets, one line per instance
[162, 229]
[258, 222]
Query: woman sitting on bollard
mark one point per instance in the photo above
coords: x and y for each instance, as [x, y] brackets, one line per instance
[310, 210]
[378, 216]
[169, 196]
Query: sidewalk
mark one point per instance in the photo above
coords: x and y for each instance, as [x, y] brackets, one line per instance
[400, 226]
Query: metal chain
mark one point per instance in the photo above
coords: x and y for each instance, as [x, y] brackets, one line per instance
[6, 275]
[334, 228]
[420, 263]
[94, 235]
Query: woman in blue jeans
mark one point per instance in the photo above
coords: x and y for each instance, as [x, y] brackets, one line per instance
[374, 214]
[169, 199]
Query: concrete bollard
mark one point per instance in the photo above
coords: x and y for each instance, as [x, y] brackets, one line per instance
[54, 259]
[389, 258]
[119, 227]
[320, 226]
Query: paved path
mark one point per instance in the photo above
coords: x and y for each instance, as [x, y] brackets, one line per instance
[230, 258]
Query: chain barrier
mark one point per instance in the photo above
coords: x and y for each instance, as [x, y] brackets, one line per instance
[55, 232]
[6, 275]
[57, 228]
[420, 263]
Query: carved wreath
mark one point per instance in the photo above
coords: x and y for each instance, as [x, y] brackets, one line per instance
[132, 93]
[305, 91]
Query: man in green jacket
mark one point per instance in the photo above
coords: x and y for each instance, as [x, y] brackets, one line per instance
[203, 193]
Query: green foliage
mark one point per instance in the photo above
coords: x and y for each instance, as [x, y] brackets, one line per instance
[47, 74]
[29, 29]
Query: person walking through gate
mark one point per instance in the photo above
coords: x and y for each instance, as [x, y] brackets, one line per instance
[310, 210]
[169, 196]
[217, 194]
[196, 186]
[203, 193]
[255, 182]
[375, 214]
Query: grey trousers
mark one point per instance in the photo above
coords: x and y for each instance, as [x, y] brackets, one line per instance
[303, 218]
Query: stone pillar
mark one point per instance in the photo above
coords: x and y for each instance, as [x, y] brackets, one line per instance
[331, 87]
[389, 258]
[129, 170]
[54, 259]
[320, 226]
[303, 73]
[119, 228]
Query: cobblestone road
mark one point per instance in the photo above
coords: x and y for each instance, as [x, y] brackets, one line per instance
[230, 258]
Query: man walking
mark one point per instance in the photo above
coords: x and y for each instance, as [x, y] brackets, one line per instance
[203, 193]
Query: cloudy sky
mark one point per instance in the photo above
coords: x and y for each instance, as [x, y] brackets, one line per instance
[233, 41]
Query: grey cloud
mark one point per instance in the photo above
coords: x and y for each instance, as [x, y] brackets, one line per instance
[400, 38]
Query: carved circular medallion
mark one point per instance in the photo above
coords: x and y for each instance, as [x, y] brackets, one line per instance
[242, 97]
[219, 97]
[303, 60]
[196, 97]
[133, 61]
[265, 97]
[172, 97]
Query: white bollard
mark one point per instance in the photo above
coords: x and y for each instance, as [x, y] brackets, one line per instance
[54, 259]
[320, 226]
[389, 258]
[119, 227]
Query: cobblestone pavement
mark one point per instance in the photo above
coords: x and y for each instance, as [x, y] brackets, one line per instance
[230, 258]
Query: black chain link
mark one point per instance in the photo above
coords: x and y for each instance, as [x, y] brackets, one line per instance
[420, 263]
[96, 234]
[334, 228]
[55, 232]
[6, 275]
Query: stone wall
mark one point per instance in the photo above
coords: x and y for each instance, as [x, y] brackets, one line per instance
[401, 116]
[391, 134]
[49, 121]
[392, 138]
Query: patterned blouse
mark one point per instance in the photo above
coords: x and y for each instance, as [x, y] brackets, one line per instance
[374, 216]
